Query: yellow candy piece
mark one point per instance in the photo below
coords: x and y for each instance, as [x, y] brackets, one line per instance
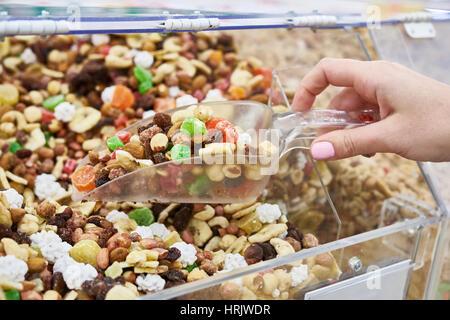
[250, 223]
[85, 251]
[114, 270]
[9, 95]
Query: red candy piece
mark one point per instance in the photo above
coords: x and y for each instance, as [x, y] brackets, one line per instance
[69, 166]
[230, 133]
[121, 121]
[105, 49]
[199, 95]
[47, 116]
[267, 75]
[113, 155]
[124, 136]
[168, 184]
[211, 124]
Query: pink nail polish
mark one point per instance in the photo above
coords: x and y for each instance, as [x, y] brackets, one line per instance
[322, 150]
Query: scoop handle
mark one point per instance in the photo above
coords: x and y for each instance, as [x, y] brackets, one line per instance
[298, 129]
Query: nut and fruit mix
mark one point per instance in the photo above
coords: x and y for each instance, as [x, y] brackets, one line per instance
[60, 98]
[191, 132]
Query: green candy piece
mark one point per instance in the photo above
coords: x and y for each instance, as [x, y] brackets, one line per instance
[114, 142]
[52, 102]
[145, 86]
[193, 126]
[142, 75]
[14, 146]
[47, 135]
[12, 294]
[180, 151]
[142, 216]
[199, 186]
[192, 267]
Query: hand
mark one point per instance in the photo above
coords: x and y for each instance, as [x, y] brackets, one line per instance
[414, 110]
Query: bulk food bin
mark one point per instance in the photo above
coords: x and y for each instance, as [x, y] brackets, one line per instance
[380, 222]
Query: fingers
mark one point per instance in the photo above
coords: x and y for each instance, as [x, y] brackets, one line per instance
[348, 99]
[346, 143]
[337, 72]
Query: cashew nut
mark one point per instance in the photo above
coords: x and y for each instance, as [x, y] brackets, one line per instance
[268, 232]
[206, 214]
[200, 230]
[15, 116]
[213, 244]
[219, 221]
[282, 247]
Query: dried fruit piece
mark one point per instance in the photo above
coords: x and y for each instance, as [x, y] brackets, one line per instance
[9, 95]
[164, 104]
[211, 124]
[145, 86]
[180, 151]
[14, 146]
[114, 142]
[200, 186]
[83, 178]
[12, 294]
[85, 251]
[142, 216]
[124, 136]
[193, 126]
[267, 74]
[250, 223]
[51, 102]
[123, 98]
[142, 75]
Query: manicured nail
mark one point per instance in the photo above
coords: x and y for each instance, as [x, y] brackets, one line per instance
[370, 155]
[322, 150]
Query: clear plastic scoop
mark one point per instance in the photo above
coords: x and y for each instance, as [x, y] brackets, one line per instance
[235, 179]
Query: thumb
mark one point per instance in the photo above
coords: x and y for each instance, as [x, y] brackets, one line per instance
[346, 143]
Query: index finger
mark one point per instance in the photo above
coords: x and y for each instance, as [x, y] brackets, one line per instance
[337, 72]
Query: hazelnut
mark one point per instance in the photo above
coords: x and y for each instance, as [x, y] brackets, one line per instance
[309, 241]
[229, 291]
[159, 142]
[253, 254]
[294, 243]
[46, 209]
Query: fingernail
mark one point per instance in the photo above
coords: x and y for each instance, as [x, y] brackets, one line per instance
[322, 150]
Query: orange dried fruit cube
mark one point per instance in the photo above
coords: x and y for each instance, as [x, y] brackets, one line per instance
[164, 104]
[216, 56]
[83, 178]
[237, 93]
[123, 97]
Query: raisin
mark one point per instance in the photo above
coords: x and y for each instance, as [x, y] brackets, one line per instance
[148, 153]
[159, 157]
[21, 238]
[101, 180]
[269, 251]
[58, 283]
[5, 231]
[173, 254]
[175, 275]
[294, 232]
[67, 213]
[65, 234]
[147, 101]
[170, 284]
[181, 218]
[95, 220]
[105, 235]
[21, 137]
[162, 120]
[58, 221]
